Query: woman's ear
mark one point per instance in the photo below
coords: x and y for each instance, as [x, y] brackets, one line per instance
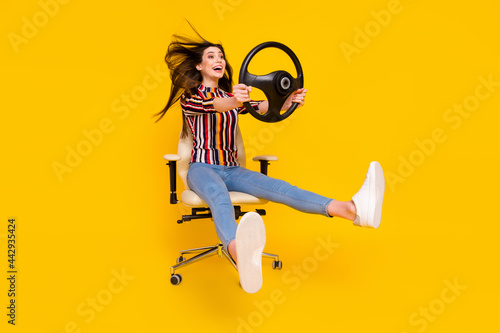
[198, 67]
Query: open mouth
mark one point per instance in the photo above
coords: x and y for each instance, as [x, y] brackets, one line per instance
[218, 69]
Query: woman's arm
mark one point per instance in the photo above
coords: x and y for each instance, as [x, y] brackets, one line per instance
[193, 105]
[226, 104]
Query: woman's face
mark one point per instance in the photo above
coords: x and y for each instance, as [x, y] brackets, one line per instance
[212, 66]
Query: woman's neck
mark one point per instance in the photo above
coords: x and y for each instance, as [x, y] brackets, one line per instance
[210, 82]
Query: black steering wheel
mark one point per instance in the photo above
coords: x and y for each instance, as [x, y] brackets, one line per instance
[277, 86]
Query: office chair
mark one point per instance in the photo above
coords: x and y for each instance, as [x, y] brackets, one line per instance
[179, 163]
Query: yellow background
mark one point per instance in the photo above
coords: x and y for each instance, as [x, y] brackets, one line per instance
[111, 213]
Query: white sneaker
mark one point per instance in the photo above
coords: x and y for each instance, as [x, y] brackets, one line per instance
[250, 241]
[368, 200]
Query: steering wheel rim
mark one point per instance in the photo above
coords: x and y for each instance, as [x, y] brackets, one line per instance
[277, 86]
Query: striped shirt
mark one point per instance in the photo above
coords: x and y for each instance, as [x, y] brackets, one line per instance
[214, 133]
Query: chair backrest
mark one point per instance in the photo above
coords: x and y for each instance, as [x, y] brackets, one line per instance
[185, 149]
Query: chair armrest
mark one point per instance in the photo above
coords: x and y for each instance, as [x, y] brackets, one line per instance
[172, 165]
[264, 162]
[172, 157]
[265, 158]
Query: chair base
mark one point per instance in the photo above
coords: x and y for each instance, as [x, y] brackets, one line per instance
[207, 252]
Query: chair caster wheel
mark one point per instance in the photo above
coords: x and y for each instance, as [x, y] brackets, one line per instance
[176, 279]
[180, 259]
[277, 264]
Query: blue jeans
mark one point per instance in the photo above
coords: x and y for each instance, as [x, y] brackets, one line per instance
[212, 183]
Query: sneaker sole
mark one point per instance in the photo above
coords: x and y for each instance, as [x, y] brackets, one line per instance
[377, 189]
[250, 242]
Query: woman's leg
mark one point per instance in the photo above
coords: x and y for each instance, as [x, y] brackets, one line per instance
[205, 180]
[365, 208]
[276, 190]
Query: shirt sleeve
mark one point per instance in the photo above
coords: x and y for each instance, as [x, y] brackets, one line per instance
[254, 104]
[196, 105]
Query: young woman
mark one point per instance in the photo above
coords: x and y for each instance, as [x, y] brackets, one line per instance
[202, 81]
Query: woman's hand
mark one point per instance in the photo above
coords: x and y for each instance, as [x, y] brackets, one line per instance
[242, 93]
[240, 96]
[298, 96]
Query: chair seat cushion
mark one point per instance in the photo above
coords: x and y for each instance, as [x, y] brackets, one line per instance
[191, 199]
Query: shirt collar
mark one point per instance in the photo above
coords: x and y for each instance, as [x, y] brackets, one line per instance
[205, 89]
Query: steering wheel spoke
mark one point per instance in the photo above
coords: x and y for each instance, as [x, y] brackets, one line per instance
[275, 107]
[263, 82]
